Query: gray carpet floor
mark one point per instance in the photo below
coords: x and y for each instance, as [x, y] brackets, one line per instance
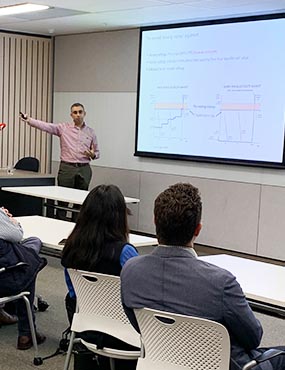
[51, 285]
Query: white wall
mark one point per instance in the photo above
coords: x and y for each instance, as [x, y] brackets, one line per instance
[236, 205]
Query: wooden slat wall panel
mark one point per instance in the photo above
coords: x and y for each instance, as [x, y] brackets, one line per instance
[11, 100]
[34, 93]
[17, 85]
[49, 78]
[23, 98]
[38, 99]
[1, 100]
[28, 107]
[6, 60]
[25, 85]
[45, 101]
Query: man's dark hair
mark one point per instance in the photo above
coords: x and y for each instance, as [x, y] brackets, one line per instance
[77, 105]
[177, 213]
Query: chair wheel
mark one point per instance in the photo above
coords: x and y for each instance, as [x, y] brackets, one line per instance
[63, 344]
[38, 361]
[42, 305]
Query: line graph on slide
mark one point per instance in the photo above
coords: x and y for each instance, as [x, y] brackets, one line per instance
[229, 118]
[169, 118]
[238, 117]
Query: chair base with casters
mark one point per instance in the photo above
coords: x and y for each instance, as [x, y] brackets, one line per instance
[23, 295]
[41, 305]
[99, 309]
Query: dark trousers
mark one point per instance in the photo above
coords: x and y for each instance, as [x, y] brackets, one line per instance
[70, 176]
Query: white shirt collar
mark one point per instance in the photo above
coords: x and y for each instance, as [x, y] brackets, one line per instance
[189, 249]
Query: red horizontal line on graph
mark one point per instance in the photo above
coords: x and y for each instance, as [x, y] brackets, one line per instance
[239, 106]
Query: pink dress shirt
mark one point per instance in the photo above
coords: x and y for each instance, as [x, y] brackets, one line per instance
[73, 140]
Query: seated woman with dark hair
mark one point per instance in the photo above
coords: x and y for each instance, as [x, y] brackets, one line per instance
[99, 243]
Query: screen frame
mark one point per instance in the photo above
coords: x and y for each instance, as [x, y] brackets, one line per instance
[193, 158]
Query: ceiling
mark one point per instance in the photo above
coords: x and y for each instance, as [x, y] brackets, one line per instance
[73, 16]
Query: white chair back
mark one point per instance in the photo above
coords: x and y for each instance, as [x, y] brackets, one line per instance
[99, 306]
[176, 342]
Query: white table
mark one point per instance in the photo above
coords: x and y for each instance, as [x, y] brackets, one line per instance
[60, 193]
[263, 283]
[14, 202]
[51, 231]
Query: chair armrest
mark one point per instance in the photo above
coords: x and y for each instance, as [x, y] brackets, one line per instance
[19, 264]
[265, 356]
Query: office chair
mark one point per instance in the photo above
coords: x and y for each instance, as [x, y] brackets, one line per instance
[99, 309]
[176, 342]
[23, 295]
[28, 164]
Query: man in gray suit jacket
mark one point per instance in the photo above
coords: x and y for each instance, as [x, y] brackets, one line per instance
[173, 279]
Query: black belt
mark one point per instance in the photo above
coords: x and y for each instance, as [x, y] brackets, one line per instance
[75, 164]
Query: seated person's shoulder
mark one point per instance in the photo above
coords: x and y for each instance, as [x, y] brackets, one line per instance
[135, 263]
[215, 273]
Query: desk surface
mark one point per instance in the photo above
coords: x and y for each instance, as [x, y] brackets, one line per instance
[16, 202]
[61, 193]
[20, 174]
[52, 231]
[260, 281]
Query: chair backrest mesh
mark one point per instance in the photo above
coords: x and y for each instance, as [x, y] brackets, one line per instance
[189, 342]
[28, 164]
[89, 286]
